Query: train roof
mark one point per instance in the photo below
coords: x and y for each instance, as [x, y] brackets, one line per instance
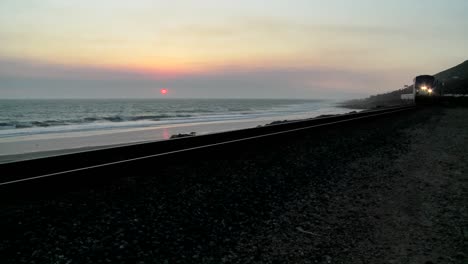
[424, 77]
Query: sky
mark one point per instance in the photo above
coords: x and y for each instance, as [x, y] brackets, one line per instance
[225, 49]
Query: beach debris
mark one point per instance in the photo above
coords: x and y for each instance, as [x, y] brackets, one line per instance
[320, 116]
[277, 122]
[183, 135]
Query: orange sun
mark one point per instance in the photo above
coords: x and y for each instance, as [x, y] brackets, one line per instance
[163, 91]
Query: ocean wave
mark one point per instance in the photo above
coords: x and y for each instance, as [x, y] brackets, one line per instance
[88, 120]
[100, 126]
[39, 117]
[114, 118]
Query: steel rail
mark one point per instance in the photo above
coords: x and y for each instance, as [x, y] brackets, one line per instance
[108, 164]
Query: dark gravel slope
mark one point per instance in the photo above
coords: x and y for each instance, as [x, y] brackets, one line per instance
[352, 194]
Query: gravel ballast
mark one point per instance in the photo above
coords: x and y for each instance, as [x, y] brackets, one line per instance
[387, 191]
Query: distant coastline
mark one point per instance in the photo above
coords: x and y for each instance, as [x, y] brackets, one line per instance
[455, 81]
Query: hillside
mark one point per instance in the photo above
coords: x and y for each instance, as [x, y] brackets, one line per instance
[458, 72]
[455, 81]
[379, 100]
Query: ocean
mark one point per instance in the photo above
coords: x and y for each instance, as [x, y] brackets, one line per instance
[28, 117]
[26, 125]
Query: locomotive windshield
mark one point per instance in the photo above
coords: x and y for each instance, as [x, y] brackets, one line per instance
[426, 80]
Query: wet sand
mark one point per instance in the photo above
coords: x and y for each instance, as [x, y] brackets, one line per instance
[50, 145]
[42, 145]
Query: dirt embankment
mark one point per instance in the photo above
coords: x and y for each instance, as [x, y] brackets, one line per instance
[386, 191]
[404, 203]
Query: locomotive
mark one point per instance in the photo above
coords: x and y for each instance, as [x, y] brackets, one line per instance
[427, 90]
[427, 85]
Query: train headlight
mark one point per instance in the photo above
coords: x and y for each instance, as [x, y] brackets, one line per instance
[429, 90]
[424, 88]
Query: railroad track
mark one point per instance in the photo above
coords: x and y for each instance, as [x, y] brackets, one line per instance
[61, 169]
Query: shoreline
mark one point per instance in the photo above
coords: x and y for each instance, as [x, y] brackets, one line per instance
[37, 146]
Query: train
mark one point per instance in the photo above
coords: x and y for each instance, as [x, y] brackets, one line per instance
[427, 85]
[427, 90]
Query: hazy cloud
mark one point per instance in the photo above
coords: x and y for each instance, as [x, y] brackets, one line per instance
[45, 80]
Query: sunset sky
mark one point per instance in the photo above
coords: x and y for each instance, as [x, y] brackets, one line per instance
[224, 49]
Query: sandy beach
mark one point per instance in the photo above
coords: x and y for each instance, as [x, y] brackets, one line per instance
[20, 148]
[42, 145]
